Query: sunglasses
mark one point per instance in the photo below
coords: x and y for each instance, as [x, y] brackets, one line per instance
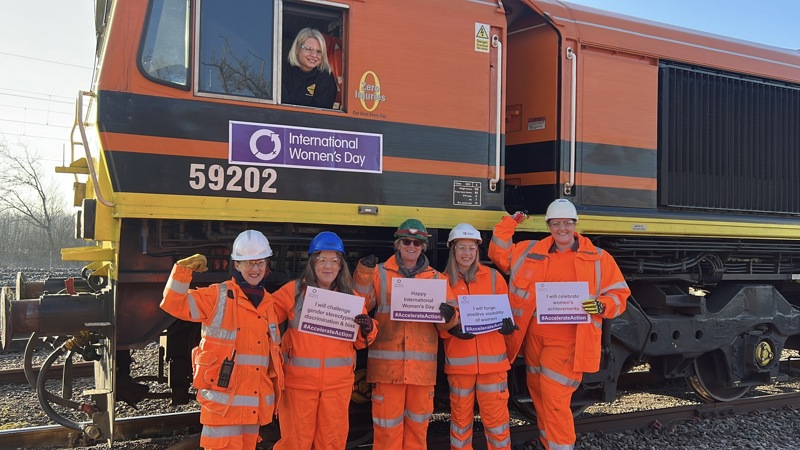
[414, 242]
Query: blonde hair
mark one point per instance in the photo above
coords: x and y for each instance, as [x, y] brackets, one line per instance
[301, 37]
[451, 269]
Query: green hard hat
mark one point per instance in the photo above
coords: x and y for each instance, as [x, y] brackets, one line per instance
[412, 228]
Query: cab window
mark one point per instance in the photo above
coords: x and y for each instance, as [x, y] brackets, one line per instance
[164, 55]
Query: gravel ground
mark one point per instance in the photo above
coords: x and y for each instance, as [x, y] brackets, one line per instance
[777, 429]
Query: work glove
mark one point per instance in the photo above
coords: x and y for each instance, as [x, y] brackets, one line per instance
[369, 261]
[364, 322]
[196, 262]
[593, 306]
[519, 216]
[448, 311]
[508, 326]
[459, 333]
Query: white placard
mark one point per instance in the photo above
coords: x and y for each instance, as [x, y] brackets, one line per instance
[418, 300]
[561, 302]
[330, 314]
[483, 313]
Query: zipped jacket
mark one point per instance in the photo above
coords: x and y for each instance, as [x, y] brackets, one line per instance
[315, 362]
[232, 329]
[526, 263]
[486, 353]
[403, 352]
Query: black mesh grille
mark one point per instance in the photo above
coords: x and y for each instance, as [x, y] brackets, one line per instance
[728, 143]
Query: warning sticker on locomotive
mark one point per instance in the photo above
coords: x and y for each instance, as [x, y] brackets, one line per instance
[466, 193]
[561, 302]
[330, 314]
[418, 300]
[261, 144]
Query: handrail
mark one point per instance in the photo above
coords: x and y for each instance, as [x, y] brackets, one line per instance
[499, 113]
[572, 102]
[85, 143]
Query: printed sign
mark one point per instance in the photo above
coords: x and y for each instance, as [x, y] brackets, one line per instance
[330, 314]
[415, 300]
[483, 313]
[482, 37]
[562, 302]
[262, 144]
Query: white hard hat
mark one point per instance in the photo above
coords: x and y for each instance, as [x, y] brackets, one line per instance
[250, 245]
[561, 209]
[464, 231]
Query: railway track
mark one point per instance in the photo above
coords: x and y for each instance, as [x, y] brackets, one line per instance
[188, 423]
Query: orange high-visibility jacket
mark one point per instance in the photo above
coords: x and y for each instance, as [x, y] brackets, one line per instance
[403, 352]
[315, 362]
[486, 353]
[230, 323]
[526, 263]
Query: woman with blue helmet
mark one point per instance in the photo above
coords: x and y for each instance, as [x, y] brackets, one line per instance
[318, 371]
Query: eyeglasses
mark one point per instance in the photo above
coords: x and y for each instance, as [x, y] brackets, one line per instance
[414, 242]
[310, 50]
[466, 248]
[248, 265]
[322, 262]
[565, 224]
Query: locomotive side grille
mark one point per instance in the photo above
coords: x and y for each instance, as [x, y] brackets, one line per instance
[728, 143]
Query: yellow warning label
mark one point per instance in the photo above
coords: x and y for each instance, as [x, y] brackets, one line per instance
[482, 37]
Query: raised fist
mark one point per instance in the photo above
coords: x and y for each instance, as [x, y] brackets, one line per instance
[196, 262]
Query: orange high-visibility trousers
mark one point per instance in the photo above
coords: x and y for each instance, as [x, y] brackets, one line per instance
[400, 416]
[551, 382]
[314, 419]
[491, 390]
[229, 437]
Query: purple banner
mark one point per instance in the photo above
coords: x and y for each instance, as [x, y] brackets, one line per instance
[264, 144]
[562, 318]
[482, 328]
[410, 315]
[328, 331]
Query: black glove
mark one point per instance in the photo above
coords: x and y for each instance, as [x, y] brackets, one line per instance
[457, 332]
[448, 311]
[508, 327]
[369, 261]
[365, 323]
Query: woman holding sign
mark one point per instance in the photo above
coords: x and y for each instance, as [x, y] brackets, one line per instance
[476, 364]
[320, 348]
[557, 354]
[408, 296]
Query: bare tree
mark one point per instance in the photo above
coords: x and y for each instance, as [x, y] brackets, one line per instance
[25, 194]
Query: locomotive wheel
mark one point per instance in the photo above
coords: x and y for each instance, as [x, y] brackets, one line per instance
[709, 377]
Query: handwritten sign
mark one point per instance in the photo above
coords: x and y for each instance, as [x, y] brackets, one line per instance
[483, 313]
[561, 302]
[330, 314]
[415, 300]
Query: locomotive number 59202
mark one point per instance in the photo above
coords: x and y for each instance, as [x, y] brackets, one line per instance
[234, 178]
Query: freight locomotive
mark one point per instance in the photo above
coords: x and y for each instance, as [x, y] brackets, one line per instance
[680, 150]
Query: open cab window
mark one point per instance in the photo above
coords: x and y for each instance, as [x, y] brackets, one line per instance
[240, 47]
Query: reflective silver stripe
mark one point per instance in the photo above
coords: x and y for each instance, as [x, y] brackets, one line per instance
[459, 443]
[419, 418]
[493, 387]
[364, 290]
[382, 278]
[598, 278]
[222, 301]
[228, 430]
[452, 302]
[521, 293]
[504, 244]
[494, 280]
[498, 430]
[500, 444]
[401, 356]
[223, 398]
[377, 397]
[388, 423]
[252, 360]
[194, 311]
[311, 363]
[219, 333]
[534, 369]
[274, 334]
[270, 399]
[461, 392]
[383, 309]
[517, 312]
[176, 286]
[465, 361]
[560, 379]
[298, 307]
[339, 362]
[519, 261]
[554, 446]
[492, 359]
[459, 430]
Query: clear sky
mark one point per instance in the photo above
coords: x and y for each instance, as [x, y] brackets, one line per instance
[47, 52]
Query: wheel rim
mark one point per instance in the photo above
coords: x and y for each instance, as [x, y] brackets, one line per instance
[708, 381]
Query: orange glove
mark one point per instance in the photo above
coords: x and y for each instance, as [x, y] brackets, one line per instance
[196, 262]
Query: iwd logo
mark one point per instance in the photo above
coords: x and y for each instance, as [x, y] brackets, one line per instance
[274, 149]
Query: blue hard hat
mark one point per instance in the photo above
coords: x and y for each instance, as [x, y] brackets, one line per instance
[327, 240]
